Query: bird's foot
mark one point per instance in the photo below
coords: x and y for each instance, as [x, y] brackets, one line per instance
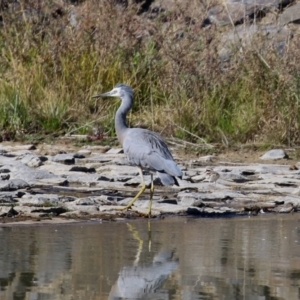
[138, 211]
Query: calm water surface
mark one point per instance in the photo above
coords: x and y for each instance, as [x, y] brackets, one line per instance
[176, 258]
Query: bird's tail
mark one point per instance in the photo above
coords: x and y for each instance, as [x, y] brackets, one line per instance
[167, 179]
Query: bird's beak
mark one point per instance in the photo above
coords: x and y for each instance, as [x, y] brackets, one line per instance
[108, 94]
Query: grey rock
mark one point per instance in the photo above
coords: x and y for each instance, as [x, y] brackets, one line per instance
[21, 171]
[242, 36]
[13, 185]
[67, 159]
[99, 159]
[8, 211]
[40, 200]
[4, 176]
[82, 178]
[98, 148]
[274, 154]
[190, 200]
[290, 15]
[115, 151]
[79, 156]
[198, 178]
[6, 199]
[85, 152]
[272, 169]
[87, 201]
[58, 181]
[31, 161]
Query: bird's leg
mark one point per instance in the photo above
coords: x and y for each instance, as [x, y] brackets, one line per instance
[151, 196]
[139, 193]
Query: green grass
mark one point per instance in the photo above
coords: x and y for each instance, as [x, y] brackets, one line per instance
[49, 73]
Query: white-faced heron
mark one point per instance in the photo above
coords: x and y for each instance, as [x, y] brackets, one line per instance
[143, 148]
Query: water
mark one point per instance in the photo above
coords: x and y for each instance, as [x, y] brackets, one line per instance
[252, 258]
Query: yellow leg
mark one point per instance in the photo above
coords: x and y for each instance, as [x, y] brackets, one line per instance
[136, 236]
[151, 196]
[138, 194]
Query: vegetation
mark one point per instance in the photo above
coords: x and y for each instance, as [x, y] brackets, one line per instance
[51, 68]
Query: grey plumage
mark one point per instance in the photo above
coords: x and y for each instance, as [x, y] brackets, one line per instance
[143, 148]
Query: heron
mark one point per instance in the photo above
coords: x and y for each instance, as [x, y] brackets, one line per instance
[143, 148]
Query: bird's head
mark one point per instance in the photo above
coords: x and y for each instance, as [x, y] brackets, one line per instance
[120, 90]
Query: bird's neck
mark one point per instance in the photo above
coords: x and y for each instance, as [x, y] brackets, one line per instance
[120, 119]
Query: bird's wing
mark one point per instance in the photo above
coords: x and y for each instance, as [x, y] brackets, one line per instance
[148, 150]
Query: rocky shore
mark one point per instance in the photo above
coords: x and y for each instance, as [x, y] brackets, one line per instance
[66, 183]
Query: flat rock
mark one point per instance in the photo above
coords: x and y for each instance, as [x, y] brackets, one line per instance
[98, 148]
[82, 178]
[85, 152]
[67, 159]
[31, 160]
[59, 181]
[9, 148]
[13, 185]
[100, 158]
[290, 15]
[40, 200]
[274, 154]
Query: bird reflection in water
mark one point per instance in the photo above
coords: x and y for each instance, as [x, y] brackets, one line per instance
[142, 282]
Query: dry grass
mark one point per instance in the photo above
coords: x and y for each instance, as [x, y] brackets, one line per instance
[50, 71]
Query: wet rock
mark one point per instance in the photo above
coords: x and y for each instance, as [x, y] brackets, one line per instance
[274, 154]
[67, 159]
